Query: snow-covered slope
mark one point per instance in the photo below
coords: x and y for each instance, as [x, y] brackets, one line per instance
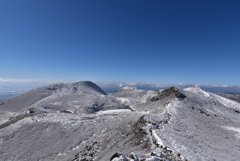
[133, 95]
[129, 92]
[224, 101]
[57, 136]
[227, 102]
[79, 97]
[171, 124]
[234, 97]
[195, 124]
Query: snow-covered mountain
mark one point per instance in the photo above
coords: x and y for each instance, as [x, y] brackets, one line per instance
[234, 97]
[80, 121]
[79, 97]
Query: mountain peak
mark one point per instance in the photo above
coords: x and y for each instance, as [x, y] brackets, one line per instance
[128, 87]
[196, 86]
[172, 92]
[197, 90]
[88, 85]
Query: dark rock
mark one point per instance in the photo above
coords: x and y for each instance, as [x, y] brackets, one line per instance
[171, 92]
[114, 156]
[237, 111]
[74, 89]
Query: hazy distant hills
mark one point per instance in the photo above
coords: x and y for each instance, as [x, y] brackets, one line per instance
[7, 96]
[79, 121]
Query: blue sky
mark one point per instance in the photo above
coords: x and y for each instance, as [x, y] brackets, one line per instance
[121, 40]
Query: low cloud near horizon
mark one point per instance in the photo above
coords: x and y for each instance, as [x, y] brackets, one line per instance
[109, 86]
[17, 80]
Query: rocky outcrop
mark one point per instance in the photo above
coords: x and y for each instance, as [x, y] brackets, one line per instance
[166, 154]
[172, 92]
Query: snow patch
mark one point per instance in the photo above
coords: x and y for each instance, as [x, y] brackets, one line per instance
[159, 141]
[172, 107]
[130, 101]
[234, 129]
[56, 103]
[113, 111]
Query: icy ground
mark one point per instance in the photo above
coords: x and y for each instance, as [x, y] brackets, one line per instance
[81, 122]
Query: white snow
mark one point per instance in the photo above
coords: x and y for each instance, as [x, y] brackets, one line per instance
[56, 103]
[148, 95]
[129, 101]
[234, 129]
[197, 90]
[113, 111]
[159, 141]
[227, 102]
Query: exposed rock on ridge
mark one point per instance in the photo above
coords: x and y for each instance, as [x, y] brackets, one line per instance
[172, 92]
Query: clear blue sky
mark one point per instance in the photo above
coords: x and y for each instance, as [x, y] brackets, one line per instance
[187, 41]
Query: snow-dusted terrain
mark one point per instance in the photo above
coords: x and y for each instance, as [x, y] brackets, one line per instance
[234, 97]
[80, 121]
[79, 97]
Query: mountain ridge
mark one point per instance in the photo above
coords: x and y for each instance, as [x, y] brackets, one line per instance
[39, 96]
[176, 124]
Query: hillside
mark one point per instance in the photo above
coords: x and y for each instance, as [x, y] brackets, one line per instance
[234, 97]
[79, 121]
[79, 97]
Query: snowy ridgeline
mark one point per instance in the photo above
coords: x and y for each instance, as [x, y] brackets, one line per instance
[80, 121]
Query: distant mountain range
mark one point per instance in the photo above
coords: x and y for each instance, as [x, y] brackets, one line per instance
[80, 121]
[17, 88]
[113, 86]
